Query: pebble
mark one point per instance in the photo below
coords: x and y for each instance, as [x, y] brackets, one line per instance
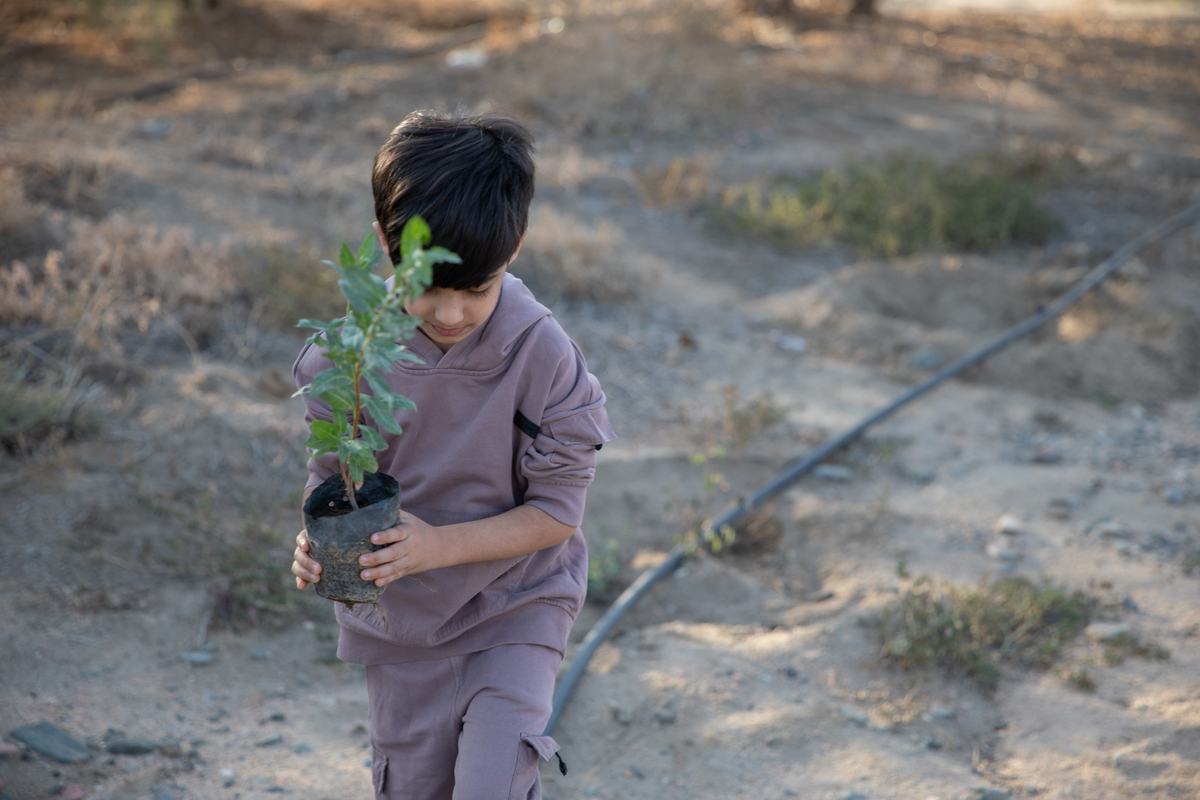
[833, 472]
[260, 655]
[1175, 495]
[129, 745]
[622, 715]
[270, 742]
[52, 743]
[664, 715]
[855, 715]
[991, 793]
[852, 795]
[1007, 524]
[792, 344]
[940, 711]
[1108, 631]
[1059, 508]
[302, 749]
[1112, 529]
[1001, 551]
[466, 58]
[154, 128]
[926, 359]
[197, 658]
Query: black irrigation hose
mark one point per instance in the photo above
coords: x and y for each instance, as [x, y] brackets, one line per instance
[796, 470]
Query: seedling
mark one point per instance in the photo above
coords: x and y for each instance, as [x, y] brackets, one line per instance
[363, 345]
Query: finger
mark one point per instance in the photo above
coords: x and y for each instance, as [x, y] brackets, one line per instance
[305, 572]
[305, 561]
[302, 540]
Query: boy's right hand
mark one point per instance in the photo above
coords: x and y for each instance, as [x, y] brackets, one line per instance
[304, 568]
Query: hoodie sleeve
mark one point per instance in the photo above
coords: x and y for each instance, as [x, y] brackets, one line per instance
[308, 365]
[560, 462]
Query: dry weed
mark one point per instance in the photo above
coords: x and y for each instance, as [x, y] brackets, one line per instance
[566, 258]
[119, 276]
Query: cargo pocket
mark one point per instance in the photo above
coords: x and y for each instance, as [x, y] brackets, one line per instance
[379, 773]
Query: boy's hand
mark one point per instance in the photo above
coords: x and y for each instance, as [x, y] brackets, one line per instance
[304, 568]
[412, 547]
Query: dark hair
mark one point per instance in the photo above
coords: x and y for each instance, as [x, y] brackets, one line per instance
[470, 178]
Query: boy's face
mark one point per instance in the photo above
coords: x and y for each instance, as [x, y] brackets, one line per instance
[449, 315]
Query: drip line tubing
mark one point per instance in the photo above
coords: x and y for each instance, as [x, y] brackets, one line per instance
[802, 466]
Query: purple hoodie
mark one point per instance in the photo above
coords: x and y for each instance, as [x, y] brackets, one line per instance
[462, 458]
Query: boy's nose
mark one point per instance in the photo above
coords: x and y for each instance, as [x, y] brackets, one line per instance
[449, 312]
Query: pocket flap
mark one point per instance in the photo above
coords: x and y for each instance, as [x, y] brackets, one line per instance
[545, 746]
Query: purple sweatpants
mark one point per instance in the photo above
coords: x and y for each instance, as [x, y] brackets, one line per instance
[467, 727]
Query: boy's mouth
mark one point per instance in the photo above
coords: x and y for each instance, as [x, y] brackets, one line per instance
[446, 331]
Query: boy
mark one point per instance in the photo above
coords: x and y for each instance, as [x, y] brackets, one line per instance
[487, 569]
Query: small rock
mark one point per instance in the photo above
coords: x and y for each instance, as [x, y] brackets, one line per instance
[129, 746]
[852, 795]
[197, 658]
[1108, 631]
[774, 741]
[792, 344]
[1007, 524]
[280, 790]
[1046, 455]
[270, 742]
[170, 749]
[1001, 551]
[154, 128]
[260, 655]
[1059, 508]
[664, 715]
[278, 716]
[227, 773]
[366, 761]
[302, 749]
[855, 715]
[466, 58]
[159, 794]
[934, 744]
[940, 711]
[51, 742]
[622, 715]
[1112, 529]
[926, 359]
[990, 793]
[833, 472]
[1175, 495]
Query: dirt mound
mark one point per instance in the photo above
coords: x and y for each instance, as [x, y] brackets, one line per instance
[1136, 338]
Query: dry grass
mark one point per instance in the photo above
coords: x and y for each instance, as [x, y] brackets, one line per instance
[566, 258]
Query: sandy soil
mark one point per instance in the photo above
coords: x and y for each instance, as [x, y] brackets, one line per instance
[144, 593]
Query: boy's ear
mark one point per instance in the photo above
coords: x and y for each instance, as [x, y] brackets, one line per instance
[383, 239]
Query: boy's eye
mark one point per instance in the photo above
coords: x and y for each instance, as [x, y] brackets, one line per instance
[481, 292]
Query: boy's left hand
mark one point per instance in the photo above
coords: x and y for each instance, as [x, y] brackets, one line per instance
[412, 547]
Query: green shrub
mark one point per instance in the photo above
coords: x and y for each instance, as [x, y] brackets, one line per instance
[973, 630]
[901, 204]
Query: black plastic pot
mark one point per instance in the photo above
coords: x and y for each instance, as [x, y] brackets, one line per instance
[338, 535]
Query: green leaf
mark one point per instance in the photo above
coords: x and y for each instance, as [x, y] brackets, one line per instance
[324, 438]
[364, 290]
[347, 258]
[381, 414]
[416, 234]
[372, 437]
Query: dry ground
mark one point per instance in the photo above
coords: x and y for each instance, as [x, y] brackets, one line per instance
[171, 179]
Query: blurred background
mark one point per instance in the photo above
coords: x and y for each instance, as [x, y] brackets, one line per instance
[759, 218]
